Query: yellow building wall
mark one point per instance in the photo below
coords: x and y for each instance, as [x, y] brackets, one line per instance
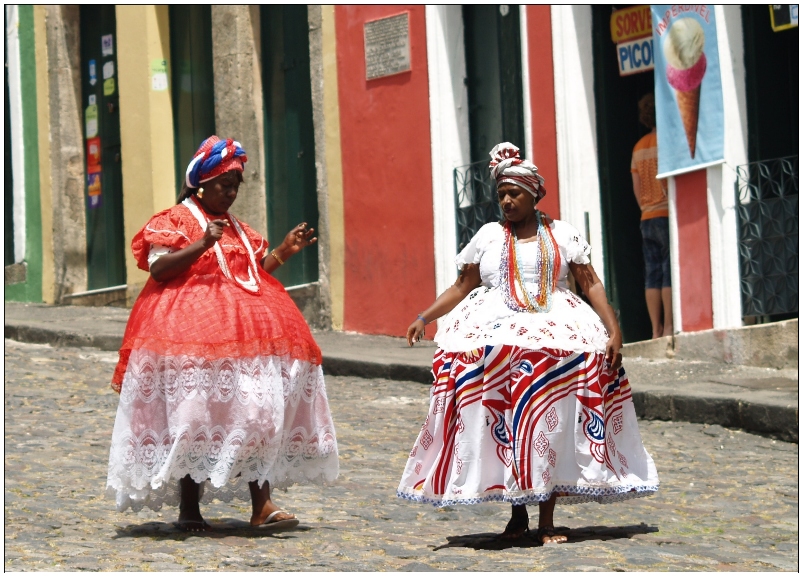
[146, 124]
[331, 113]
[45, 183]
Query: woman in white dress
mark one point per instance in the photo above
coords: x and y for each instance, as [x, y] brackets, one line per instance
[529, 401]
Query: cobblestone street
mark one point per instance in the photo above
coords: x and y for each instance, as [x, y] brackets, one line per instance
[728, 500]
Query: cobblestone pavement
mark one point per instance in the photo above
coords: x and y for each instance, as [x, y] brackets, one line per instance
[728, 500]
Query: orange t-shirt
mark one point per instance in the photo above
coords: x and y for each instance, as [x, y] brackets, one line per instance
[653, 198]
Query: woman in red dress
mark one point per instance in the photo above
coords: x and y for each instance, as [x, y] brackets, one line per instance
[220, 381]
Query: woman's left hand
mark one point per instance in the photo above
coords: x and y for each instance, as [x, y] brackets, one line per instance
[297, 239]
[612, 353]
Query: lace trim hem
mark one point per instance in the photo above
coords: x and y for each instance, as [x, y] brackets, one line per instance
[323, 472]
[565, 495]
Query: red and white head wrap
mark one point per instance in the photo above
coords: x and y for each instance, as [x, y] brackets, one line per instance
[506, 165]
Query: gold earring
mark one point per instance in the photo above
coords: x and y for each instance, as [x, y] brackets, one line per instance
[200, 192]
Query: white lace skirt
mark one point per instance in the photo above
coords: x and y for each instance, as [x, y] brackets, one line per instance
[223, 422]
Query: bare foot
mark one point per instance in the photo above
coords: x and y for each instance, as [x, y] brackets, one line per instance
[518, 524]
[548, 535]
[189, 517]
[193, 525]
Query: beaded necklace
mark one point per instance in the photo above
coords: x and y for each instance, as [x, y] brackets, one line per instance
[547, 260]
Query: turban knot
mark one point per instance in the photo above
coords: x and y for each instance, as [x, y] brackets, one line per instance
[215, 157]
[506, 165]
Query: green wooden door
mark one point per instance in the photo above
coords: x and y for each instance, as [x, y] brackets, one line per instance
[192, 81]
[618, 130]
[494, 80]
[100, 101]
[9, 177]
[289, 134]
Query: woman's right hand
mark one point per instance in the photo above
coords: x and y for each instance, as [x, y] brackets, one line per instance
[415, 331]
[214, 231]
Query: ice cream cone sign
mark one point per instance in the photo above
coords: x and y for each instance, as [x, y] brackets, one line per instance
[685, 67]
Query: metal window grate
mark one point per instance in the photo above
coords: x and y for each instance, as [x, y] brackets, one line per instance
[767, 207]
[475, 199]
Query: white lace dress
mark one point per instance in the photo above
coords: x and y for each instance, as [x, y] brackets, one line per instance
[219, 376]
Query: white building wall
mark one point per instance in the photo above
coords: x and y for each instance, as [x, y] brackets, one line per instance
[575, 110]
[448, 111]
[673, 235]
[724, 269]
[17, 145]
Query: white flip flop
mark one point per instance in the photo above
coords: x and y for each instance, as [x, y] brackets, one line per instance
[276, 525]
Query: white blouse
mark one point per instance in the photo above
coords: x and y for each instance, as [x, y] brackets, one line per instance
[485, 249]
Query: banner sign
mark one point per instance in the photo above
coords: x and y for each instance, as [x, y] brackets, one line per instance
[687, 83]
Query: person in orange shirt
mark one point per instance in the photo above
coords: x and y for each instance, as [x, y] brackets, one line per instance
[653, 201]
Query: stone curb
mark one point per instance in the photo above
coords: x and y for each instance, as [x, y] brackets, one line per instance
[335, 366]
[779, 421]
[35, 335]
[774, 345]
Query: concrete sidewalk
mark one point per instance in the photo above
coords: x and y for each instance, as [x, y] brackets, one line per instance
[699, 377]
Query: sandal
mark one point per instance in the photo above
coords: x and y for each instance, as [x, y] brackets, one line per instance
[550, 533]
[272, 524]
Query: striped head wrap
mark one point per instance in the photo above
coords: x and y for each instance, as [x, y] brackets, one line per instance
[506, 165]
[215, 157]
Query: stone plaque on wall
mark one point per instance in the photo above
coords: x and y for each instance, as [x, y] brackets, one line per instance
[387, 46]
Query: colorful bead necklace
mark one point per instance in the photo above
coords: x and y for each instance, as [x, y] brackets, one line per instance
[547, 260]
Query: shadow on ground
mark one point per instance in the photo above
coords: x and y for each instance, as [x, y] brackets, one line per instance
[220, 528]
[491, 541]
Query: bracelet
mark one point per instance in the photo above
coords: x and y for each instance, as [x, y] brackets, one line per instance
[279, 260]
[421, 318]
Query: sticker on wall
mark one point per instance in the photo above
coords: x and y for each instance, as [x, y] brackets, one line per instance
[93, 156]
[90, 119]
[108, 87]
[158, 75]
[108, 70]
[93, 189]
[107, 44]
[92, 72]
[92, 99]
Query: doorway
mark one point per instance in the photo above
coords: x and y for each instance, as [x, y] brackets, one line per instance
[105, 242]
[192, 81]
[494, 79]
[618, 130]
[290, 173]
[495, 109]
[772, 86]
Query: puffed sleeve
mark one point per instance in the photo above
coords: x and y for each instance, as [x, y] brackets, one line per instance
[171, 229]
[574, 245]
[472, 253]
